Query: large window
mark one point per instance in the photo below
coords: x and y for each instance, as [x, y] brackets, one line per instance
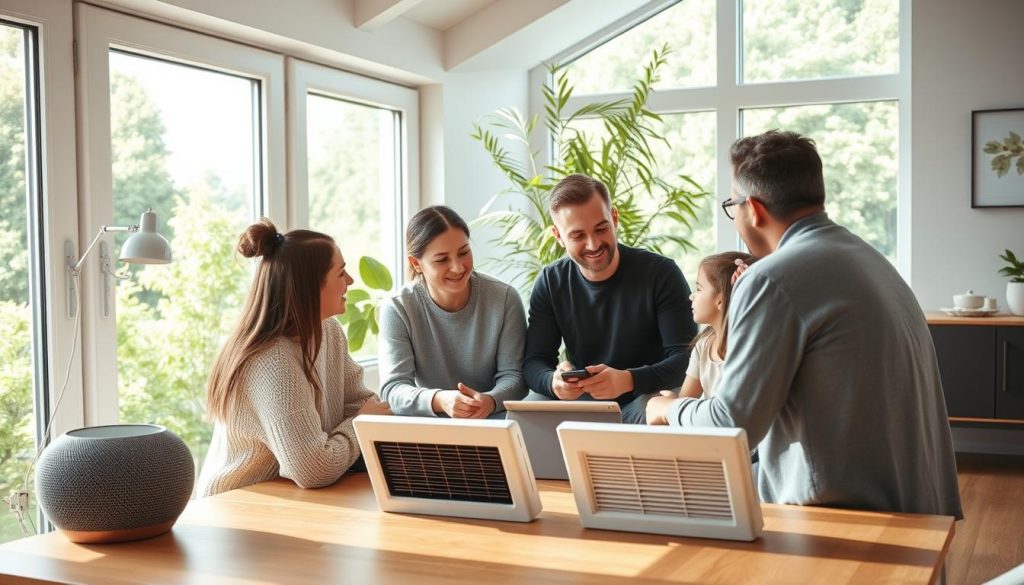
[18, 181]
[828, 69]
[192, 127]
[352, 139]
[352, 156]
[185, 143]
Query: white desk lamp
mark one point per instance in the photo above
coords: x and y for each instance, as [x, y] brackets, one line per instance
[145, 246]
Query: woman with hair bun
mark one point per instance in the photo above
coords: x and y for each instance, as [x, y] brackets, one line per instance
[284, 389]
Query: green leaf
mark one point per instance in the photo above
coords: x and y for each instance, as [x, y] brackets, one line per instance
[992, 147]
[374, 274]
[371, 318]
[356, 335]
[357, 295]
[1014, 139]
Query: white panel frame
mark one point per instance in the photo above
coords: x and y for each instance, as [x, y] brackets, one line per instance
[305, 77]
[502, 434]
[60, 198]
[98, 31]
[726, 445]
[729, 97]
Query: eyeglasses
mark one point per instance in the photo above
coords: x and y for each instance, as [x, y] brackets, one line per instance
[729, 202]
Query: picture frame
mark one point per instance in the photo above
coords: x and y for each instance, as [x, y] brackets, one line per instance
[997, 158]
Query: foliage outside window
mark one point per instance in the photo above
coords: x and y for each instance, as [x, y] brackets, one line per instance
[781, 42]
[17, 414]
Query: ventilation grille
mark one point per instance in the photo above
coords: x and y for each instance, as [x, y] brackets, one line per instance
[464, 473]
[668, 487]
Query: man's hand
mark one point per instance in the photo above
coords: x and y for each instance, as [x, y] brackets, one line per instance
[657, 407]
[607, 383]
[562, 389]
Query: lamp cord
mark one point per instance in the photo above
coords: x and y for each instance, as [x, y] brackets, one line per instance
[18, 500]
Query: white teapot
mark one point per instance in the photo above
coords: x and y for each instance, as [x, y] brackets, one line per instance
[968, 300]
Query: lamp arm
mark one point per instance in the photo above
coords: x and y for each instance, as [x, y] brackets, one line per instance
[103, 229]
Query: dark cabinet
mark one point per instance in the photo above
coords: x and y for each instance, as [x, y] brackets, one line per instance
[967, 363]
[1010, 373]
[982, 368]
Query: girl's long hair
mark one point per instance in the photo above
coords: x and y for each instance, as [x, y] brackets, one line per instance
[718, 269]
[283, 301]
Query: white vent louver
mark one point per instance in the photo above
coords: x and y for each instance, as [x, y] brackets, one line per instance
[662, 480]
[465, 468]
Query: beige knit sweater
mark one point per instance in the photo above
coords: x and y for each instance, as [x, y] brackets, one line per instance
[275, 429]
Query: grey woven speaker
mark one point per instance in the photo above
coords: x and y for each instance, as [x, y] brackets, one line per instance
[115, 483]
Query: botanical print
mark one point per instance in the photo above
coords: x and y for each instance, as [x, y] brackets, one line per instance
[1005, 152]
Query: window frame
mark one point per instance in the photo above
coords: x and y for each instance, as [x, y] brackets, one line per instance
[54, 210]
[98, 31]
[304, 78]
[730, 97]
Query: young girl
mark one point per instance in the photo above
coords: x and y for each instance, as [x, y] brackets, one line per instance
[715, 279]
[284, 389]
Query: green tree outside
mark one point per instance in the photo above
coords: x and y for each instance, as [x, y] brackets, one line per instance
[782, 41]
[17, 423]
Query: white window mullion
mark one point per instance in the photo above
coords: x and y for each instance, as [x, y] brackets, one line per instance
[727, 107]
[904, 201]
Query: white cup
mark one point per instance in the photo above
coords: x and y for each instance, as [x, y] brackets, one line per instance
[991, 304]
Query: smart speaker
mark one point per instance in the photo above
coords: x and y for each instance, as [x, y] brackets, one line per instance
[115, 483]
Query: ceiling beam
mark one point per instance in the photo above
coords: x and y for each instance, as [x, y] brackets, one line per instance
[520, 34]
[372, 14]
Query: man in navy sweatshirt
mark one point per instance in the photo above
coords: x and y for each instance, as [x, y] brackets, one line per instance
[623, 313]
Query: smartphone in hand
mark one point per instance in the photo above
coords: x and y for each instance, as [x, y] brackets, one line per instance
[576, 374]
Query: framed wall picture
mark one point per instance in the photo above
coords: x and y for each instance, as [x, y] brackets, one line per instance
[997, 158]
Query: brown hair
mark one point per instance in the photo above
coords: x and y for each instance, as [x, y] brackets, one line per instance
[283, 301]
[718, 269]
[780, 169]
[576, 190]
[427, 224]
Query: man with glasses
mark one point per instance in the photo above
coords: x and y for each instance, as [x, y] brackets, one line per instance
[831, 367]
[623, 313]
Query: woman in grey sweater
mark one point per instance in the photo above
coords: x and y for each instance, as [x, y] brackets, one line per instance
[451, 342]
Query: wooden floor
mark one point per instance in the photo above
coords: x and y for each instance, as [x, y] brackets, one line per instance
[990, 539]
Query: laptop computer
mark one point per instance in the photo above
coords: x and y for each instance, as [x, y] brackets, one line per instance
[539, 420]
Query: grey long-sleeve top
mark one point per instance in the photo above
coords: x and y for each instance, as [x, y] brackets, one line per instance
[831, 368]
[424, 349]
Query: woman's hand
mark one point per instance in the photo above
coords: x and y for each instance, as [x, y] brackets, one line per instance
[374, 406]
[463, 403]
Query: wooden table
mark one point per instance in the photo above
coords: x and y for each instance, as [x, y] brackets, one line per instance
[275, 532]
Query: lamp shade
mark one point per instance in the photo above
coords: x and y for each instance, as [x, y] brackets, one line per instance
[146, 246]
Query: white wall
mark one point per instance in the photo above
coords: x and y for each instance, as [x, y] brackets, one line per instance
[966, 56]
[470, 178]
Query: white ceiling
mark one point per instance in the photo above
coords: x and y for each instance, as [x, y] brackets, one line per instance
[497, 34]
[442, 15]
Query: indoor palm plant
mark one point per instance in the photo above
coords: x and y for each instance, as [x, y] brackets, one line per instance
[621, 155]
[1015, 288]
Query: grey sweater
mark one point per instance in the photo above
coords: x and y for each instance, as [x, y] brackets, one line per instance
[831, 368]
[424, 349]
